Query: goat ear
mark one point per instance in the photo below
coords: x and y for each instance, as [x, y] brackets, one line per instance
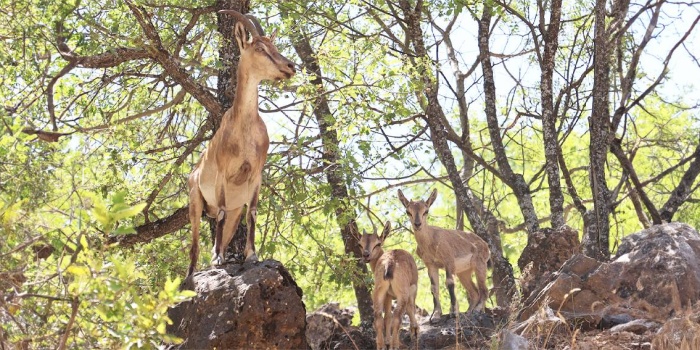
[403, 199]
[431, 199]
[273, 35]
[241, 35]
[386, 230]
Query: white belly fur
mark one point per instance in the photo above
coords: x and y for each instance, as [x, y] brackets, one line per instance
[462, 263]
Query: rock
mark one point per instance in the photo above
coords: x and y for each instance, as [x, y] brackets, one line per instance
[325, 322]
[546, 251]
[640, 326]
[655, 274]
[250, 305]
[472, 331]
[678, 333]
[567, 293]
[475, 331]
[543, 322]
[508, 340]
[611, 320]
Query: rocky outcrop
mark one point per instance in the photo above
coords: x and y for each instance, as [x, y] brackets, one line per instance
[655, 274]
[546, 251]
[250, 305]
[325, 322]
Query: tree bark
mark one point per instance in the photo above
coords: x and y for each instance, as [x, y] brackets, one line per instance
[549, 115]
[515, 181]
[154, 229]
[596, 221]
[637, 203]
[680, 194]
[345, 215]
[616, 149]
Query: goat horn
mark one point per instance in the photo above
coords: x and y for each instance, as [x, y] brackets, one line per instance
[255, 21]
[243, 19]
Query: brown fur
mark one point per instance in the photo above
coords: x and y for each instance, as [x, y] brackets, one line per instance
[229, 174]
[395, 278]
[457, 252]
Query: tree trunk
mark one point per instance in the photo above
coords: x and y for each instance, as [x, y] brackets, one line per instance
[597, 222]
[616, 150]
[549, 116]
[344, 214]
[680, 194]
[515, 181]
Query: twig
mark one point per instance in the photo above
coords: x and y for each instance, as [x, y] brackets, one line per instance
[74, 303]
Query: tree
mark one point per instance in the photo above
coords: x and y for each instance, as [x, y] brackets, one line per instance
[332, 167]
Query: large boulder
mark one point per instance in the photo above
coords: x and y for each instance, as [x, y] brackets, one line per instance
[655, 274]
[251, 305]
[545, 253]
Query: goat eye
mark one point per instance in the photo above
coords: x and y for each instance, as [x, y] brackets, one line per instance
[409, 213]
[259, 49]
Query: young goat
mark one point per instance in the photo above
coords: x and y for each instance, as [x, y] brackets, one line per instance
[395, 277]
[457, 252]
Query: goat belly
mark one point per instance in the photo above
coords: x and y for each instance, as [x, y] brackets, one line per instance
[238, 196]
[463, 263]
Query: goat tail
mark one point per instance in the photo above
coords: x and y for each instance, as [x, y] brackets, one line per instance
[389, 270]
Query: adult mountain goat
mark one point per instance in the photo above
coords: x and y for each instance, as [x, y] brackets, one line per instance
[229, 174]
[457, 252]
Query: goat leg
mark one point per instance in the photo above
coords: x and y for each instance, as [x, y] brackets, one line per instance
[434, 280]
[450, 282]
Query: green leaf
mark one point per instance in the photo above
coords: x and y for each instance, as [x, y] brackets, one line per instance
[124, 230]
[128, 212]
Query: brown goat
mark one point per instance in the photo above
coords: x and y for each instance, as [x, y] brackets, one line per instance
[395, 277]
[229, 174]
[457, 252]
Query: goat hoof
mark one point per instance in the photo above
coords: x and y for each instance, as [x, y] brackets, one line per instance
[217, 260]
[251, 257]
[435, 317]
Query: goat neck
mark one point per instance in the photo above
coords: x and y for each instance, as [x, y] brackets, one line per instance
[245, 103]
[424, 234]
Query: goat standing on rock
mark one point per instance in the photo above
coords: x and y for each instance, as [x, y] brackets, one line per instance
[230, 172]
[395, 277]
[457, 252]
